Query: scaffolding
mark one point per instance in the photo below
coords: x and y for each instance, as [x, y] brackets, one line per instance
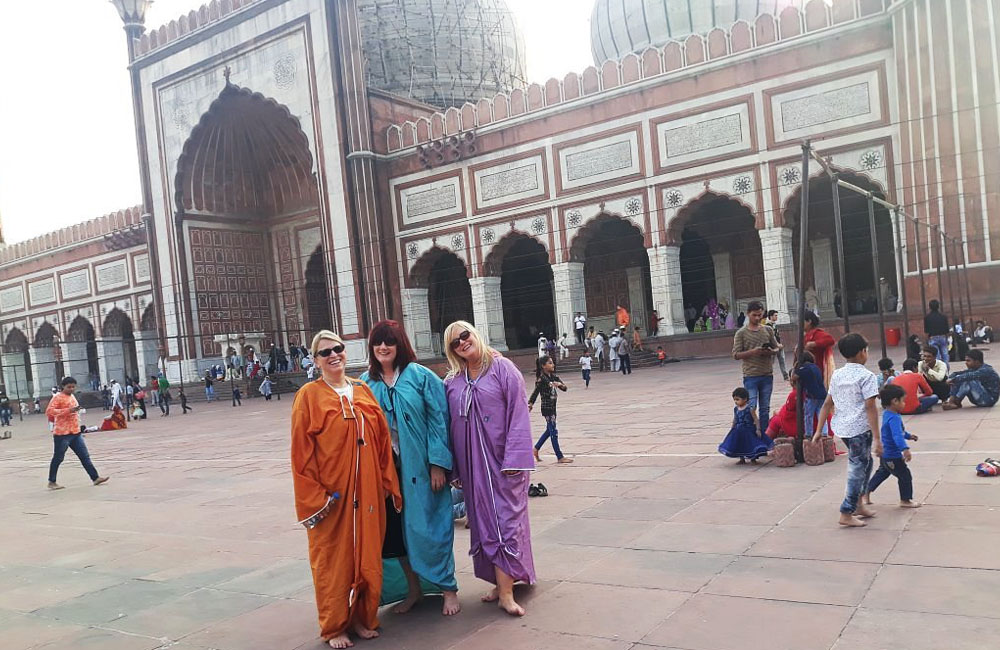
[441, 52]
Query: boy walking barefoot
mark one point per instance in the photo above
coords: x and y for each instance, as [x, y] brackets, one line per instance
[896, 453]
[853, 390]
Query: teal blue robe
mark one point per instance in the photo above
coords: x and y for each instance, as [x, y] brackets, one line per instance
[418, 409]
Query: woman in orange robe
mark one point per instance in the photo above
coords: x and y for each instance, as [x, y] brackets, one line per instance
[342, 470]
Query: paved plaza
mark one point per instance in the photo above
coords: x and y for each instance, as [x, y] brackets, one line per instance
[649, 540]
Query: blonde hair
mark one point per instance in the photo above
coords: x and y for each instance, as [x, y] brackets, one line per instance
[323, 334]
[456, 364]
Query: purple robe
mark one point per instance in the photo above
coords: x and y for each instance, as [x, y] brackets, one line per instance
[491, 432]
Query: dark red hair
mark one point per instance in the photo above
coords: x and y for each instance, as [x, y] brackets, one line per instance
[381, 331]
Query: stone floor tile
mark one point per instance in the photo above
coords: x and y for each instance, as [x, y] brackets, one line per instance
[593, 532]
[826, 543]
[948, 548]
[700, 538]
[655, 569]
[637, 509]
[189, 613]
[804, 581]
[281, 624]
[728, 512]
[963, 592]
[876, 629]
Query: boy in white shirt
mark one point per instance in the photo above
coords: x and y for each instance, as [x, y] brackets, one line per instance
[585, 362]
[851, 398]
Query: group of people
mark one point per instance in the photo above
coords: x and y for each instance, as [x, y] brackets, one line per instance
[714, 315]
[130, 396]
[372, 459]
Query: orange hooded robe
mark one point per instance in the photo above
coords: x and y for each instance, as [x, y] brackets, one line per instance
[342, 470]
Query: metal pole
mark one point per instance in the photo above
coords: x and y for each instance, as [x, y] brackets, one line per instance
[17, 390]
[801, 305]
[961, 307]
[931, 243]
[900, 259]
[968, 292]
[947, 266]
[839, 226]
[920, 267]
[877, 274]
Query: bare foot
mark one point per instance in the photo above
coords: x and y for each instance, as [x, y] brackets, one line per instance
[867, 499]
[565, 460]
[509, 605]
[743, 461]
[753, 461]
[491, 596]
[851, 521]
[909, 504]
[341, 641]
[538, 457]
[363, 632]
[864, 512]
[100, 480]
[451, 605]
[411, 600]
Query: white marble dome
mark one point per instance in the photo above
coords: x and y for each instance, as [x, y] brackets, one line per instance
[618, 27]
[442, 52]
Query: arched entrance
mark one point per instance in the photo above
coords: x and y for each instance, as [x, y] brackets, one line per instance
[81, 350]
[148, 344]
[47, 367]
[822, 279]
[522, 263]
[17, 373]
[118, 354]
[248, 167]
[721, 256]
[615, 270]
[318, 298]
[443, 277]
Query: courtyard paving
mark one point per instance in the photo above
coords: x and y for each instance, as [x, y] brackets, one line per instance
[649, 540]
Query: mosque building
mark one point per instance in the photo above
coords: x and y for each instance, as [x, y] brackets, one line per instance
[315, 164]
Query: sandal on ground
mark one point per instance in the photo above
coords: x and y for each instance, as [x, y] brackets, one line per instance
[542, 490]
[532, 490]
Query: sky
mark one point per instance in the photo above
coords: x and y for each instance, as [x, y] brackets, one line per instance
[67, 137]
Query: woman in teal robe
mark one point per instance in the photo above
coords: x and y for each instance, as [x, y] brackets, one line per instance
[418, 559]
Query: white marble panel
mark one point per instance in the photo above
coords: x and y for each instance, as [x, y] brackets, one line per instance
[142, 268]
[713, 133]
[601, 160]
[12, 299]
[112, 275]
[42, 291]
[442, 198]
[512, 181]
[75, 283]
[826, 107]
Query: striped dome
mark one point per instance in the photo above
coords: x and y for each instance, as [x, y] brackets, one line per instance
[618, 27]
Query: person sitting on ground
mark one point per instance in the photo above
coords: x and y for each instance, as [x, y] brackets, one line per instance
[784, 424]
[979, 383]
[982, 334]
[886, 372]
[935, 372]
[919, 395]
[895, 451]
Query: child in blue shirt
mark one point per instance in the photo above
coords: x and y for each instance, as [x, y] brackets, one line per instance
[810, 380]
[896, 453]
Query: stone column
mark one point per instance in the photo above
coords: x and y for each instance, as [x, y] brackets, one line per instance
[146, 354]
[570, 295]
[74, 357]
[724, 279]
[417, 320]
[823, 275]
[111, 359]
[779, 271]
[15, 376]
[43, 370]
[487, 310]
[667, 289]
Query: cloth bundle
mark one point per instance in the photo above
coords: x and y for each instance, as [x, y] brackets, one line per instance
[988, 467]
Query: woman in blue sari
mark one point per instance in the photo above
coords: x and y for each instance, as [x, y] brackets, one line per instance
[417, 555]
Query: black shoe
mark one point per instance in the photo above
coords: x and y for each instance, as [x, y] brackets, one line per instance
[542, 490]
[532, 490]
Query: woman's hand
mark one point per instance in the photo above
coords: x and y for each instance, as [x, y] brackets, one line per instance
[438, 479]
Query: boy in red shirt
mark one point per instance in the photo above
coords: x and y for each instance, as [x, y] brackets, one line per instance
[920, 397]
[64, 412]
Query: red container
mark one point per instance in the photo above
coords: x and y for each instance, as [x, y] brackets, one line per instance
[893, 336]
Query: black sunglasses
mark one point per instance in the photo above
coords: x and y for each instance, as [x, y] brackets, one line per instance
[464, 336]
[325, 352]
[389, 340]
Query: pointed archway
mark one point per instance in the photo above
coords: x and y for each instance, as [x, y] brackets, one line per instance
[318, 298]
[526, 292]
[117, 348]
[17, 373]
[81, 350]
[440, 280]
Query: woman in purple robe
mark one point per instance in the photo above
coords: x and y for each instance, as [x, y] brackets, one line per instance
[491, 439]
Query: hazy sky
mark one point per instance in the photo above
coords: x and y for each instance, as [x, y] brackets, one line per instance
[67, 139]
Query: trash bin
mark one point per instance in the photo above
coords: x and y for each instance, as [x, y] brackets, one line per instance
[893, 336]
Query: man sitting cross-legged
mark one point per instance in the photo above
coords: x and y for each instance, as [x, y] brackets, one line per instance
[979, 383]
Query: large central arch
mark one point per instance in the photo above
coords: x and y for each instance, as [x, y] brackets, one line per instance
[445, 278]
[522, 264]
[245, 180]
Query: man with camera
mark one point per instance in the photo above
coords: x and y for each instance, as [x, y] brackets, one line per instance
[755, 345]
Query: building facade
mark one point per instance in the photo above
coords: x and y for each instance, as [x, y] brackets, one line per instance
[298, 182]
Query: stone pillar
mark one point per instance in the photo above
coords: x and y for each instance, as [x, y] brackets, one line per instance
[667, 289]
[779, 271]
[147, 354]
[417, 320]
[43, 370]
[823, 275]
[724, 279]
[570, 295]
[15, 376]
[487, 310]
[111, 359]
[75, 365]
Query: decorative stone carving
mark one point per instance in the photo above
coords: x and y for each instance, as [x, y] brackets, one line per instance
[284, 72]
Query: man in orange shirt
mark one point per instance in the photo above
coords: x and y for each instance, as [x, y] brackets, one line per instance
[919, 395]
[64, 411]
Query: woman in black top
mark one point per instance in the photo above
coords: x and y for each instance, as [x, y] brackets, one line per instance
[545, 386]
